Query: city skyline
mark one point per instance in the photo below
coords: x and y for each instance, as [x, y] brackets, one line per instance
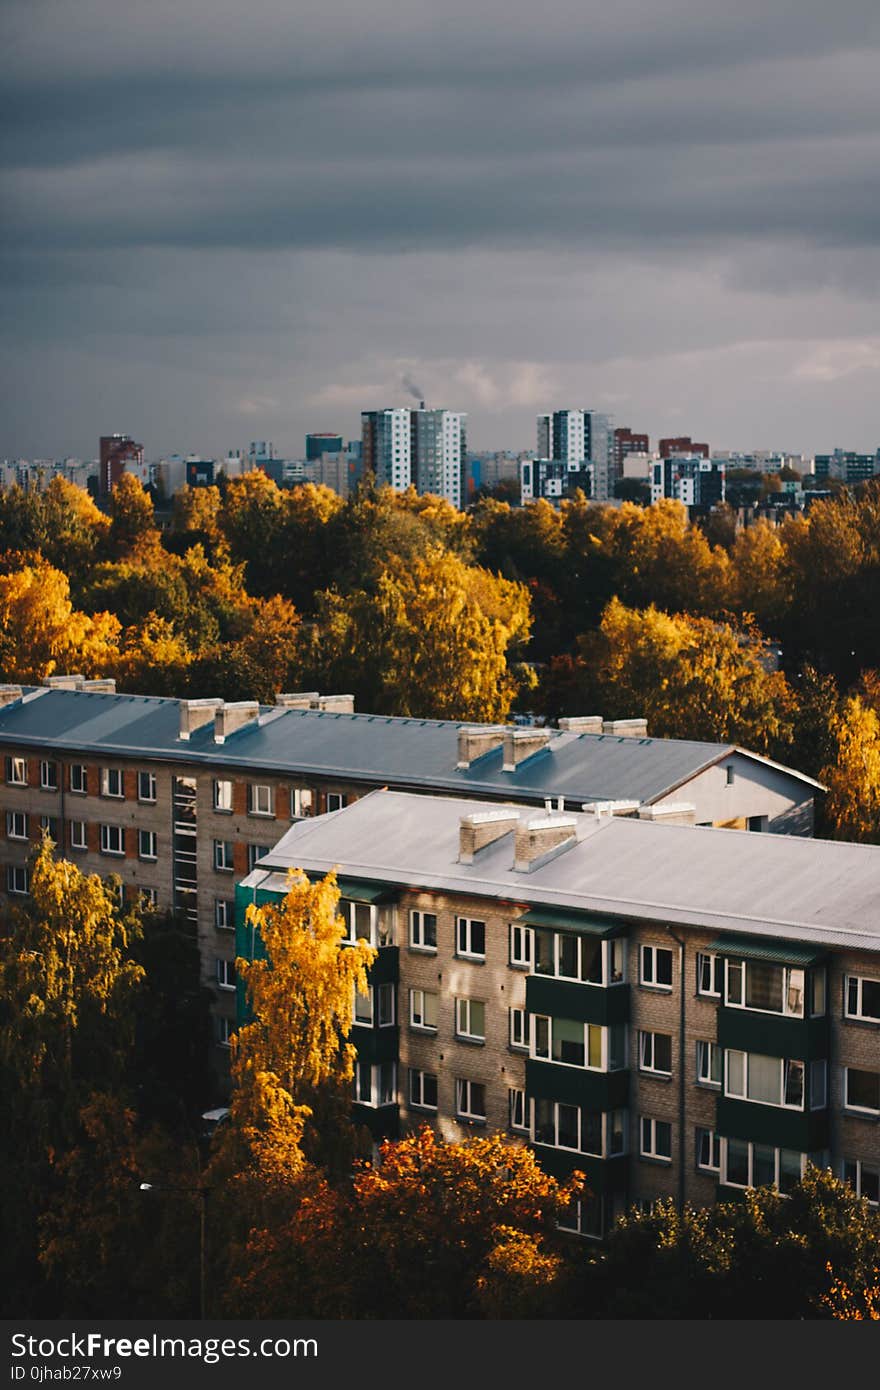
[219, 225]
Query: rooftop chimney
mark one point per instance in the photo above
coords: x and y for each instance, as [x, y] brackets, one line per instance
[481, 829]
[626, 728]
[301, 699]
[673, 813]
[9, 693]
[541, 839]
[73, 682]
[520, 744]
[610, 808]
[473, 743]
[228, 718]
[336, 704]
[105, 686]
[582, 724]
[195, 714]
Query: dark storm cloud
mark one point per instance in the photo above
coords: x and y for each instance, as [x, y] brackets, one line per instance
[171, 170]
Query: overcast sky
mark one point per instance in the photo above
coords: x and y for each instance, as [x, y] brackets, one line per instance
[223, 220]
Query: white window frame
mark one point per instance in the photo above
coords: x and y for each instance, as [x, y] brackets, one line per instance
[148, 780]
[417, 925]
[254, 854]
[363, 1010]
[416, 1091]
[739, 966]
[518, 1111]
[18, 879]
[711, 1140]
[45, 784]
[521, 946]
[222, 863]
[224, 914]
[151, 895]
[113, 777]
[222, 791]
[465, 1098]
[859, 981]
[301, 803]
[777, 1163]
[336, 801]
[608, 949]
[464, 932]
[108, 835]
[648, 952]
[604, 1030]
[520, 1031]
[225, 1029]
[152, 842]
[648, 1053]
[261, 799]
[348, 911]
[419, 1009]
[49, 826]
[860, 1109]
[16, 772]
[709, 962]
[225, 973]
[855, 1179]
[784, 1064]
[383, 1083]
[465, 1022]
[16, 825]
[606, 1129]
[79, 779]
[710, 1059]
[78, 825]
[648, 1135]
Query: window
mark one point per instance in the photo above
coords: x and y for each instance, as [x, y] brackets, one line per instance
[375, 1085]
[470, 1099]
[863, 1178]
[359, 920]
[709, 974]
[223, 853]
[146, 786]
[517, 1110]
[423, 1009]
[470, 938]
[225, 973]
[148, 844]
[300, 802]
[48, 777]
[729, 775]
[224, 1031]
[470, 1019]
[656, 1138]
[520, 945]
[78, 779]
[17, 879]
[423, 931]
[570, 956]
[112, 839]
[386, 1005]
[862, 1090]
[765, 1080]
[708, 1155]
[16, 772]
[818, 1085]
[710, 1064]
[224, 914]
[223, 796]
[254, 854]
[261, 800]
[563, 1126]
[422, 1089]
[363, 1007]
[335, 801]
[16, 825]
[760, 1165]
[150, 897]
[862, 998]
[111, 782]
[655, 1053]
[577, 1044]
[759, 985]
[656, 966]
[78, 834]
[519, 1028]
[49, 827]
[818, 991]
[584, 1217]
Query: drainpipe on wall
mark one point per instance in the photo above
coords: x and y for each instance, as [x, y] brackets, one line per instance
[681, 1066]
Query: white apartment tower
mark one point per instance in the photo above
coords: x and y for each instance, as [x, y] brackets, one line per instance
[578, 437]
[422, 447]
[387, 446]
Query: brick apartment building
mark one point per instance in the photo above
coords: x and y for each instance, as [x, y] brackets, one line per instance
[182, 797]
[677, 1012]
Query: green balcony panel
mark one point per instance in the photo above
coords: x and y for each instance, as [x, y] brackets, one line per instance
[376, 1044]
[386, 967]
[362, 891]
[804, 1130]
[603, 1175]
[555, 919]
[583, 1003]
[596, 1090]
[772, 1035]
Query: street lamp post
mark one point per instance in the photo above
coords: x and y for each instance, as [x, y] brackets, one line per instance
[202, 1193]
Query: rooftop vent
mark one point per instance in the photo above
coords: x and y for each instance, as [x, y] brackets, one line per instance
[541, 839]
[626, 728]
[610, 808]
[106, 685]
[9, 693]
[71, 682]
[336, 704]
[195, 714]
[228, 718]
[301, 699]
[481, 829]
[473, 743]
[582, 724]
[520, 744]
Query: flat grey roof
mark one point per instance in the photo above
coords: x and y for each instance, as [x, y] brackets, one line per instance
[368, 747]
[774, 886]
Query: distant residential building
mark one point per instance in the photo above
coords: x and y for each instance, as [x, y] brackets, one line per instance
[847, 467]
[553, 479]
[683, 445]
[425, 448]
[323, 442]
[625, 442]
[579, 438]
[697, 482]
[119, 454]
[489, 469]
[387, 446]
[764, 461]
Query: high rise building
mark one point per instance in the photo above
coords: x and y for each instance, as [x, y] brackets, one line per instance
[695, 481]
[324, 442]
[422, 447]
[626, 443]
[118, 454]
[578, 438]
[387, 446]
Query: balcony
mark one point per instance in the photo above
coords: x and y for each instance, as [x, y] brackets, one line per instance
[804, 1130]
[584, 1003]
[595, 1090]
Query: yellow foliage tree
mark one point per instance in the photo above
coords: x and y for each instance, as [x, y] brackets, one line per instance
[853, 780]
[41, 632]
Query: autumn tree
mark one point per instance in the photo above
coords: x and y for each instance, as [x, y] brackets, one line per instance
[852, 808]
[132, 522]
[41, 632]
